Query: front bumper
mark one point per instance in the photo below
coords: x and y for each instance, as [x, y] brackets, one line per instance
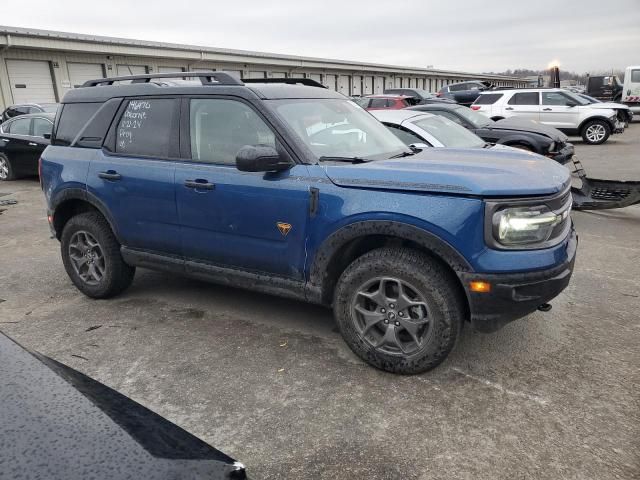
[564, 155]
[515, 295]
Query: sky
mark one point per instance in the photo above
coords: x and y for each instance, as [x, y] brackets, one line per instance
[469, 35]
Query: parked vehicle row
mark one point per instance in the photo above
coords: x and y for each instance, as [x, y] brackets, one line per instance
[558, 108]
[294, 190]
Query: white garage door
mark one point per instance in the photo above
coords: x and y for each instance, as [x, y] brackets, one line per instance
[257, 74]
[124, 70]
[367, 85]
[343, 84]
[81, 72]
[30, 81]
[330, 82]
[356, 85]
[378, 84]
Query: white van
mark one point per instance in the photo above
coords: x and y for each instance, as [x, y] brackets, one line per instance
[631, 88]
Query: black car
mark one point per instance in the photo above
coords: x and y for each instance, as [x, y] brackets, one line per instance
[464, 93]
[421, 97]
[514, 132]
[22, 140]
[27, 108]
[59, 424]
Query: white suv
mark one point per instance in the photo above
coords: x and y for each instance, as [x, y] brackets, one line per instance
[555, 107]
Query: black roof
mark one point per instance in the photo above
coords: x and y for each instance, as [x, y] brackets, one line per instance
[217, 83]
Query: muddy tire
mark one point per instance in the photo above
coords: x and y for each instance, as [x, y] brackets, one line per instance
[6, 170]
[91, 257]
[595, 132]
[399, 310]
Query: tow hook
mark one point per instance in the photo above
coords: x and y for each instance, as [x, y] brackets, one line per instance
[545, 307]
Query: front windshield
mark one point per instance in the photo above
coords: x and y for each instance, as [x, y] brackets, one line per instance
[338, 128]
[589, 99]
[478, 120]
[449, 133]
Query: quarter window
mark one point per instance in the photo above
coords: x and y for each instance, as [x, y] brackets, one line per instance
[220, 128]
[525, 98]
[145, 128]
[73, 117]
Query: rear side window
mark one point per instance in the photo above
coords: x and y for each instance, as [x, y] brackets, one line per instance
[145, 128]
[74, 116]
[525, 98]
[20, 127]
[458, 88]
[379, 103]
[488, 99]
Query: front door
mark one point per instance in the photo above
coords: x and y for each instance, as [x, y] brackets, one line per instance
[558, 110]
[133, 175]
[250, 221]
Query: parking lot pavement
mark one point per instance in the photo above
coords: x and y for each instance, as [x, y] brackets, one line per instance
[269, 381]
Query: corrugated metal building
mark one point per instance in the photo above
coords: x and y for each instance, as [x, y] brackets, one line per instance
[40, 66]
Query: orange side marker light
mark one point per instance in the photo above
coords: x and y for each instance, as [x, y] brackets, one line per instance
[480, 287]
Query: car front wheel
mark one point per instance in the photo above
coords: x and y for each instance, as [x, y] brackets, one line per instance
[399, 310]
[596, 132]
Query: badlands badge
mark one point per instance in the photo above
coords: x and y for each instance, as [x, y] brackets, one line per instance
[284, 228]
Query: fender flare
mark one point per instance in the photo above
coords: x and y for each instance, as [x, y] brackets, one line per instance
[338, 239]
[598, 117]
[69, 194]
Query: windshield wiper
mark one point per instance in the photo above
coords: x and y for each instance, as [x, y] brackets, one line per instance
[345, 159]
[405, 154]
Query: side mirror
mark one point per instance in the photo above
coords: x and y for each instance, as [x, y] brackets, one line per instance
[571, 103]
[47, 136]
[417, 147]
[260, 158]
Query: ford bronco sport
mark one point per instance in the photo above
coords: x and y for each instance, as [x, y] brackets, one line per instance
[292, 189]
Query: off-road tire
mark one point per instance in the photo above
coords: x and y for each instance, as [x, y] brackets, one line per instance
[9, 174]
[438, 287]
[117, 274]
[595, 123]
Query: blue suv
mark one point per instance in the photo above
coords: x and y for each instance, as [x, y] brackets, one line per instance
[285, 187]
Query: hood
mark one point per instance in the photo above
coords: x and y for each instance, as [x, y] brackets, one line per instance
[481, 172]
[609, 105]
[524, 125]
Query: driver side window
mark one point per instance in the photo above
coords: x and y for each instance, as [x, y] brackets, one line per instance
[219, 128]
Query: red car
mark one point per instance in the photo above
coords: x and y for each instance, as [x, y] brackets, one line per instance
[383, 102]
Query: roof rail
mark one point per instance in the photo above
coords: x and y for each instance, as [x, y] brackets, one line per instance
[289, 81]
[207, 78]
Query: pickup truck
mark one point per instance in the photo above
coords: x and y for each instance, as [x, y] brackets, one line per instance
[285, 187]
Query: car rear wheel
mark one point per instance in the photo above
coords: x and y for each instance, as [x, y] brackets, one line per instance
[596, 132]
[399, 310]
[6, 171]
[91, 257]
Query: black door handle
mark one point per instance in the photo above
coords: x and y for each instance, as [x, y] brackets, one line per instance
[110, 175]
[547, 109]
[509, 108]
[199, 184]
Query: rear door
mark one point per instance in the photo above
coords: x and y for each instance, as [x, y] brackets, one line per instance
[523, 105]
[15, 142]
[245, 220]
[557, 110]
[133, 175]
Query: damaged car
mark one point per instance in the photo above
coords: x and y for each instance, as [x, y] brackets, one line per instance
[518, 133]
[284, 187]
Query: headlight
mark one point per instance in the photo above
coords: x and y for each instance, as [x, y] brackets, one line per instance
[526, 225]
